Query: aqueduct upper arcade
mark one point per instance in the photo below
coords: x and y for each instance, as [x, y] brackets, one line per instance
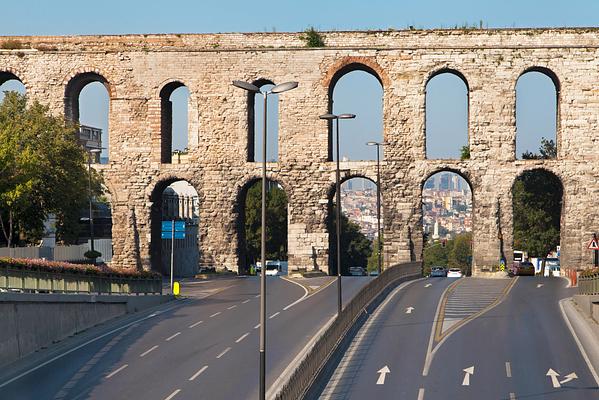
[137, 70]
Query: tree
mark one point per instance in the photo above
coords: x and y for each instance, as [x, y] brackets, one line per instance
[547, 150]
[373, 259]
[355, 246]
[42, 171]
[461, 252]
[465, 153]
[276, 222]
[537, 202]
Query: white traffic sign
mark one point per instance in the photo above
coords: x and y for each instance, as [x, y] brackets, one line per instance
[382, 375]
[468, 371]
[409, 310]
[593, 245]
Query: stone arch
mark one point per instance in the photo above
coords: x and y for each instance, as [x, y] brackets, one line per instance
[166, 117]
[155, 194]
[429, 77]
[243, 261]
[75, 82]
[338, 71]
[251, 116]
[558, 179]
[8, 74]
[549, 73]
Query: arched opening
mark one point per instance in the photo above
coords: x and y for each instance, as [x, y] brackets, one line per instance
[256, 124]
[446, 116]
[87, 102]
[9, 82]
[102, 224]
[358, 227]
[537, 200]
[249, 225]
[174, 123]
[175, 200]
[537, 96]
[447, 204]
[356, 89]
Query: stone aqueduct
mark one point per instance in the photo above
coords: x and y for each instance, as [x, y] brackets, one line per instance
[136, 68]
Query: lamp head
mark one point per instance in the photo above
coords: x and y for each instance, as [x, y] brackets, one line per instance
[246, 86]
[283, 87]
[328, 116]
[347, 116]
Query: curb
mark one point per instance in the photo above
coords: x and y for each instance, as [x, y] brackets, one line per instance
[585, 333]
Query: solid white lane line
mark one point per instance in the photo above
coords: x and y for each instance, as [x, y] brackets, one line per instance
[274, 315]
[245, 301]
[508, 369]
[242, 337]
[168, 339]
[149, 350]
[204, 368]
[298, 300]
[232, 307]
[116, 371]
[215, 314]
[421, 394]
[196, 324]
[225, 351]
[173, 394]
[257, 326]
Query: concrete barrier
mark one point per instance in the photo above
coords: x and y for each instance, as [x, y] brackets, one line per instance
[34, 321]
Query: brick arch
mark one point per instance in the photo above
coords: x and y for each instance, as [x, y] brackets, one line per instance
[74, 84]
[251, 103]
[165, 128]
[108, 79]
[463, 172]
[355, 63]
[543, 70]
[447, 69]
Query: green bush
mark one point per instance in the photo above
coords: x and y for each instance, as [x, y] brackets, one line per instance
[92, 254]
[312, 38]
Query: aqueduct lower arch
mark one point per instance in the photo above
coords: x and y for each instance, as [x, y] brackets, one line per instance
[135, 67]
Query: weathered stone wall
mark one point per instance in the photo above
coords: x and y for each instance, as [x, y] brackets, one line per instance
[136, 67]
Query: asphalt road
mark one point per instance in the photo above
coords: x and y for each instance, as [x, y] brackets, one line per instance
[203, 347]
[511, 345]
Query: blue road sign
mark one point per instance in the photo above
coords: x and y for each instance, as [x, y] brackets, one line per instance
[179, 226]
[167, 226]
[169, 235]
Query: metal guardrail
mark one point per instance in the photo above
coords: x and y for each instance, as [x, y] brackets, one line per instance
[589, 284]
[48, 282]
[310, 367]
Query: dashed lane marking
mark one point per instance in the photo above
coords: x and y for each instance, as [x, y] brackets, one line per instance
[257, 326]
[168, 339]
[196, 324]
[232, 307]
[172, 394]
[274, 315]
[148, 351]
[116, 371]
[421, 394]
[225, 351]
[215, 314]
[242, 337]
[204, 368]
[508, 369]
[245, 301]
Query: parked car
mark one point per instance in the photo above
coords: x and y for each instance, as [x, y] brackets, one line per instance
[454, 273]
[525, 268]
[357, 271]
[374, 272]
[438, 271]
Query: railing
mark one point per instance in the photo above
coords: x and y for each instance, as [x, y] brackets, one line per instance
[73, 253]
[48, 282]
[310, 367]
[589, 284]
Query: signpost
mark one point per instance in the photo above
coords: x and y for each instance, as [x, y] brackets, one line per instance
[594, 245]
[173, 230]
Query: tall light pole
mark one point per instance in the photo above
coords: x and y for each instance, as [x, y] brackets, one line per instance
[378, 199]
[283, 87]
[331, 117]
[94, 150]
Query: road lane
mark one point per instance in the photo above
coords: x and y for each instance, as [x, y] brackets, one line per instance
[178, 344]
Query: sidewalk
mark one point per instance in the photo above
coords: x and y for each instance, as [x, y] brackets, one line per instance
[585, 331]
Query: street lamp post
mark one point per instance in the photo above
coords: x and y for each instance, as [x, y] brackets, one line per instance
[378, 200]
[283, 87]
[331, 117]
[89, 188]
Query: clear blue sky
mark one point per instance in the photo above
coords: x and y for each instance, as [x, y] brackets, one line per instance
[358, 94]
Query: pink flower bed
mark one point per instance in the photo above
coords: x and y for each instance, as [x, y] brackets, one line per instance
[68, 268]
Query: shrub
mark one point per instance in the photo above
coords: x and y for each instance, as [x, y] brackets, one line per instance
[312, 38]
[11, 44]
[28, 264]
[590, 272]
[92, 254]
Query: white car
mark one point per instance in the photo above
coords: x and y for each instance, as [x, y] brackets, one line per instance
[454, 273]
[273, 268]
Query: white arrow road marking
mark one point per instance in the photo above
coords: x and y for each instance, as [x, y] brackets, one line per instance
[554, 379]
[539, 285]
[569, 377]
[468, 371]
[428, 285]
[409, 310]
[382, 375]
